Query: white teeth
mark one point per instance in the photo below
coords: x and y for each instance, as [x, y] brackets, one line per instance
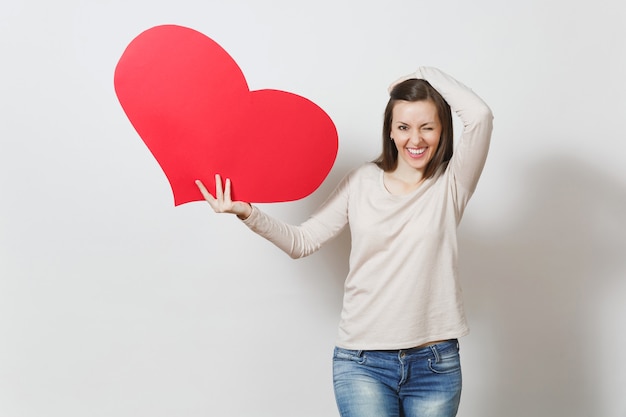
[416, 151]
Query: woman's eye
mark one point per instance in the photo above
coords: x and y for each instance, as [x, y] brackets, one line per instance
[402, 127]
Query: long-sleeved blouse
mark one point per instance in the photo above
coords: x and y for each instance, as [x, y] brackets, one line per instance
[402, 289]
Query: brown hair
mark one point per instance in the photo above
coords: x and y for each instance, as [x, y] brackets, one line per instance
[417, 90]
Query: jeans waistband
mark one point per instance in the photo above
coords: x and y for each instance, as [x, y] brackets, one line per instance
[416, 351]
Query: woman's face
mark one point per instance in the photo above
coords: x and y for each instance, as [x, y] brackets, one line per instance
[415, 130]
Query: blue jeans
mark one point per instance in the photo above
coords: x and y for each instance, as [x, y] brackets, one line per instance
[420, 382]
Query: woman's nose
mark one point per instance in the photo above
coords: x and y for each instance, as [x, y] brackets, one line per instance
[415, 137]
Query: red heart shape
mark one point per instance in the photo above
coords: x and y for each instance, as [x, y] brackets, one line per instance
[191, 105]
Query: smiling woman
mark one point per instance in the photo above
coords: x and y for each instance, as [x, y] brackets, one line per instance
[403, 311]
[415, 100]
[416, 132]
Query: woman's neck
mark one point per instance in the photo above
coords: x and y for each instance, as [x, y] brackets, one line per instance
[402, 181]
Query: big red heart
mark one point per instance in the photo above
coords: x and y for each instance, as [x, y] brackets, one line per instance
[191, 105]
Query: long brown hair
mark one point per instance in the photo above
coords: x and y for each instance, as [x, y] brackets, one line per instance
[417, 90]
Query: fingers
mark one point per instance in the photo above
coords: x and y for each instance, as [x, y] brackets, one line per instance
[413, 75]
[205, 193]
[226, 196]
[222, 202]
[219, 194]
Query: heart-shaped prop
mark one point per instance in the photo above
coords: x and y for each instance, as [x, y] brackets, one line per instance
[191, 105]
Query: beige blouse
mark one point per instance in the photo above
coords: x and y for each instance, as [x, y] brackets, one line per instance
[402, 289]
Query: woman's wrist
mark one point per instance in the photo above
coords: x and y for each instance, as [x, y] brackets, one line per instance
[247, 211]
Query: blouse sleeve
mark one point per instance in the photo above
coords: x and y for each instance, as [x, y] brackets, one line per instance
[300, 241]
[470, 153]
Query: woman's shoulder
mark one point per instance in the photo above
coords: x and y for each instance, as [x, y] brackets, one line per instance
[360, 176]
[365, 171]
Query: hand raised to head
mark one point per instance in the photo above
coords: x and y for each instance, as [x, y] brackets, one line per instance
[221, 202]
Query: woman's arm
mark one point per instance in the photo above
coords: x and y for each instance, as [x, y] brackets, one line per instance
[297, 241]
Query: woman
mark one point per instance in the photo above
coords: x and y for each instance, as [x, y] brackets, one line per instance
[397, 351]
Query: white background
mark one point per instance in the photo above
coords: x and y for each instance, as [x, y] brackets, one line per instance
[115, 303]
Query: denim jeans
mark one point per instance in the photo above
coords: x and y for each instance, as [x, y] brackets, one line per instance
[419, 382]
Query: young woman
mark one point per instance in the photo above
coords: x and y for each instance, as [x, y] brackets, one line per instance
[397, 351]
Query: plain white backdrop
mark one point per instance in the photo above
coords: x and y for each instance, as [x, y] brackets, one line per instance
[115, 303]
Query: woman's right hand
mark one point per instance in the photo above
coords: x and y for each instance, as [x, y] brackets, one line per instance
[221, 202]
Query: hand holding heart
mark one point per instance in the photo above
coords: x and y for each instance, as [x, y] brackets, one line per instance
[191, 105]
[222, 202]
